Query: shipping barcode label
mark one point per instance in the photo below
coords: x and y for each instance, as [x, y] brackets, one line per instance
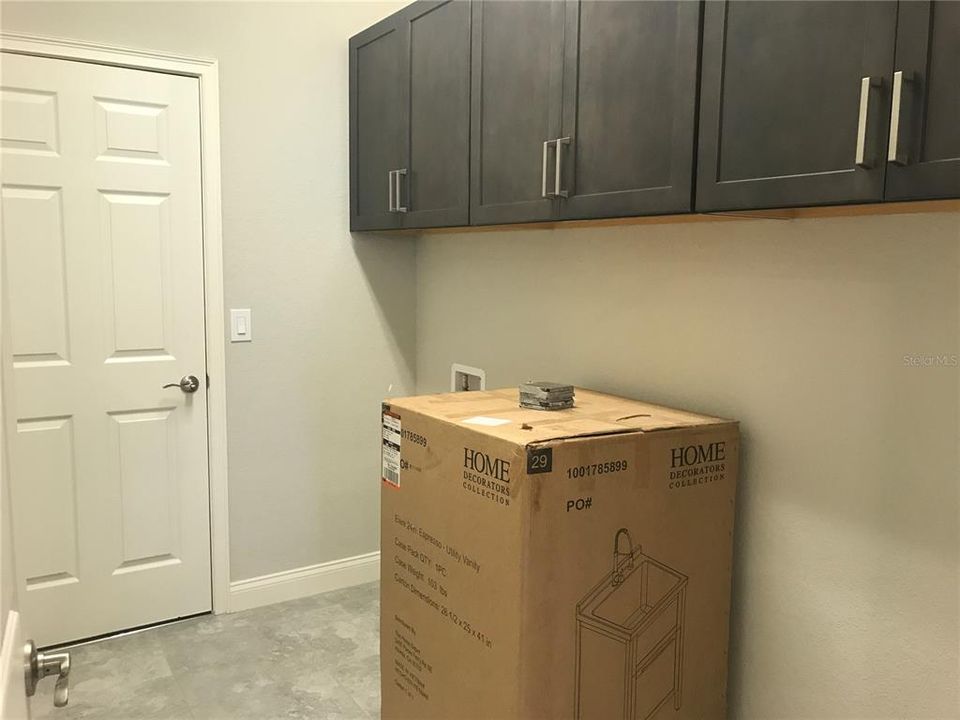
[390, 449]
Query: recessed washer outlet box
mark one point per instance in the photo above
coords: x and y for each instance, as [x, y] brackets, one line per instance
[464, 378]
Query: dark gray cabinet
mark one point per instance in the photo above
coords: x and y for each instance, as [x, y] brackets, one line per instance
[517, 50]
[376, 128]
[583, 109]
[499, 112]
[629, 108]
[923, 152]
[794, 103]
[410, 119]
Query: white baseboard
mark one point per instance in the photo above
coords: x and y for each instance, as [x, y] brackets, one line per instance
[305, 581]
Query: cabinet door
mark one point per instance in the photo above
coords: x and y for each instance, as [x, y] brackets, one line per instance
[629, 104]
[517, 49]
[784, 103]
[924, 147]
[378, 123]
[436, 191]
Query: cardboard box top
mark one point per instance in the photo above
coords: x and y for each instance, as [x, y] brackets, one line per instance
[497, 413]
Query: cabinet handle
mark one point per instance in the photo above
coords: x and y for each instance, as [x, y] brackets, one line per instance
[390, 191]
[894, 153]
[398, 207]
[543, 177]
[865, 85]
[558, 169]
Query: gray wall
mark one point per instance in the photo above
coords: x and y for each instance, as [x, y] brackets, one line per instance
[846, 589]
[333, 317]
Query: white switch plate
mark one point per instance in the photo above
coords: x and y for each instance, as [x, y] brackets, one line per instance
[240, 328]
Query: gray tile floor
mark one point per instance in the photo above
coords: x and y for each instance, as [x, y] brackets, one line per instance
[311, 658]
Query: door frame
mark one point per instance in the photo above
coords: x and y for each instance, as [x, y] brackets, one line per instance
[206, 72]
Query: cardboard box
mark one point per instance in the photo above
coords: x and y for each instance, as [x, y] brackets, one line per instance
[569, 564]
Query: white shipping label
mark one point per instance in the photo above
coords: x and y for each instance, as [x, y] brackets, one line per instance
[390, 450]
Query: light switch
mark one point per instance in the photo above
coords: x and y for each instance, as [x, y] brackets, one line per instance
[240, 328]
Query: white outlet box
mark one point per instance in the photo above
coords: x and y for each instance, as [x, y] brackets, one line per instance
[465, 378]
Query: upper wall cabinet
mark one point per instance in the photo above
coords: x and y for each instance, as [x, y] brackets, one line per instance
[629, 109]
[582, 109]
[376, 129]
[795, 103]
[499, 112]
[923, 152]
[517, 67]
[410, 119]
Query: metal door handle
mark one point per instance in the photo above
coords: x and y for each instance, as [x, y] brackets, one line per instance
[390, 190]
[866, 84]
[38, 665]
[397, 206]
[557, 170]
[894, 154]
[543, 177]
[188, 383]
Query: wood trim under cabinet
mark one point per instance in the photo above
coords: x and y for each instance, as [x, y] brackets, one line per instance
[826, 211]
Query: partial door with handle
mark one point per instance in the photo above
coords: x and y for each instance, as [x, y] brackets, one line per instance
[103, 243]
[516, 146]
[923, 152]
[794, 103]
[377, 150]
[410, 119]
[629, 108]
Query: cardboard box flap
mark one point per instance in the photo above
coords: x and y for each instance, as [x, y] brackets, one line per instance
[497, 413]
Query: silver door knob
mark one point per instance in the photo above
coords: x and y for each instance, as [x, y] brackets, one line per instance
[188, 383]
[38, 665]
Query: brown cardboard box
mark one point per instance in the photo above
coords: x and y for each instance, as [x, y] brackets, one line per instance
[569, 564]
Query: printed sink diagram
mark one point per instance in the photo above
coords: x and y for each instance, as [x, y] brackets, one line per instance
[630, 629]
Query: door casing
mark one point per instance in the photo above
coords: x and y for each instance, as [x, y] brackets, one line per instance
[206, 72]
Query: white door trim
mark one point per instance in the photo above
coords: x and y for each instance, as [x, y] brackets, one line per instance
[205, 70]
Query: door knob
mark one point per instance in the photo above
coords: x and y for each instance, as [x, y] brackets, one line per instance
[188, 383]
[38, 665]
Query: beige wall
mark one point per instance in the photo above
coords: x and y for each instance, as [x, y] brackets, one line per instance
[333, 317]
[846, 589]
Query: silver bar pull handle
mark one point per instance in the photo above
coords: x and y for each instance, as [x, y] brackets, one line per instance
[543, 177]
[558, 170]
[390, 207]
[894, 154]
[398, 174]
[865, 85]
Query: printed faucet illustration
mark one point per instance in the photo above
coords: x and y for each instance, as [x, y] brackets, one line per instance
[629, 645]
[621, 560]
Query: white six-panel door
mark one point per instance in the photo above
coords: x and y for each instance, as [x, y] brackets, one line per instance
[13, 691]
[102, 231]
